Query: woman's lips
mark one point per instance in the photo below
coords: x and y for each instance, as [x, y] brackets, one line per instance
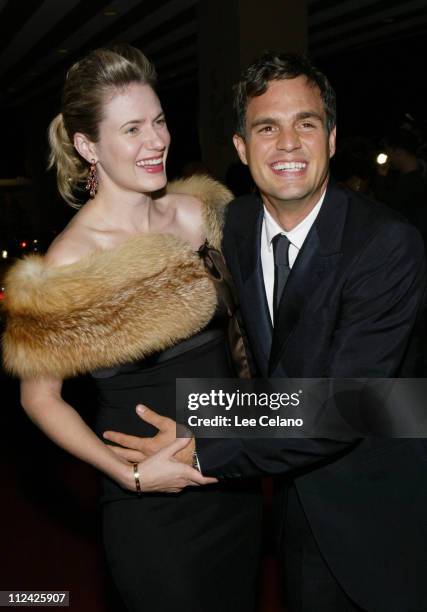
[152, 165]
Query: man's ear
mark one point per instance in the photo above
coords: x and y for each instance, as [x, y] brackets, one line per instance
[85, 147]
[240, 145]
[332, 142]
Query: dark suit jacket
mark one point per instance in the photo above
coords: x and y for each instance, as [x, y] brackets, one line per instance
[348, 310]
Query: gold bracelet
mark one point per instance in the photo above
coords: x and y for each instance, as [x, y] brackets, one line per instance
[136, 477]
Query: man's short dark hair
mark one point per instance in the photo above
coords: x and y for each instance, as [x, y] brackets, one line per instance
[275, 67]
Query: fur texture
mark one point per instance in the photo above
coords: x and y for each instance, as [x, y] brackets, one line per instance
[114, 306]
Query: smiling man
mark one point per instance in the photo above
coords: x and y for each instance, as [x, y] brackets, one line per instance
[287, 142]
[330, 285]
[286, 135]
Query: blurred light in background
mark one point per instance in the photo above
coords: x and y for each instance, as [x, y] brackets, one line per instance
[382, 159]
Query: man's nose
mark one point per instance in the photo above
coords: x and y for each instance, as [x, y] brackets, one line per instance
[288, 139]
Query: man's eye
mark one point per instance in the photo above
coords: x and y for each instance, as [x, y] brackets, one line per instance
[161, 121]
[266, 128]
[307, 124]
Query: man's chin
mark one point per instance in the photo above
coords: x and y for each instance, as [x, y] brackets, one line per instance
[290, 196]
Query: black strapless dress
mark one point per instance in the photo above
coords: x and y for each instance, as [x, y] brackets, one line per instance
[198, 550]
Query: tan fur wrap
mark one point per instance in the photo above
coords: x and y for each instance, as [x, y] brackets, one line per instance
[110, 307]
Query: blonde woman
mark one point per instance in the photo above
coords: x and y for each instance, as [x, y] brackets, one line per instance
[122, 293]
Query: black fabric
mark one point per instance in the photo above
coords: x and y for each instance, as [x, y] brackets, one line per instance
[220, 276]
[175, 552]
[281, 268]
[350, 309]
[309, 584]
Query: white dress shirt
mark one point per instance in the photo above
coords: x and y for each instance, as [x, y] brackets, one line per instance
[296, 237]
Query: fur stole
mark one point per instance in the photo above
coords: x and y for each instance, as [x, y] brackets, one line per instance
[111, 307]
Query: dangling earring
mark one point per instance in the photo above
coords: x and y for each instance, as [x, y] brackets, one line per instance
[92, 179]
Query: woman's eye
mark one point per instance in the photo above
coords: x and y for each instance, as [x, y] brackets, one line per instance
[132, 130]
[161, 121]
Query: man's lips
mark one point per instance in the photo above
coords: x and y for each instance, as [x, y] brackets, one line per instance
[151, 164]
[289, 168]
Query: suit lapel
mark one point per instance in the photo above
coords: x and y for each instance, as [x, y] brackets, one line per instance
[320, 254]
[253, 299]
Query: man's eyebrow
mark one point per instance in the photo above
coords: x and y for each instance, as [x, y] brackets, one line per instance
[264, 121]
[298, 117]
[309, 115]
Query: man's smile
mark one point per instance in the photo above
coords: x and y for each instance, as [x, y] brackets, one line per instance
[289, 168]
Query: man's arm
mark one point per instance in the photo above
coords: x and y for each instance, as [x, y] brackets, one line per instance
[380, 303]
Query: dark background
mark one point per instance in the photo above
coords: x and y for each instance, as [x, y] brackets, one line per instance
[372, 51]
[374, 55]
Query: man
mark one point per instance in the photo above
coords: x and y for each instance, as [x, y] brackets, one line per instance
[336, 294]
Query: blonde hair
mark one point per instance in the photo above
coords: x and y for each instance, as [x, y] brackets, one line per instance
[87, 84]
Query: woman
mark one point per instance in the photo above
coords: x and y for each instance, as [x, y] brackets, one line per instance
[123, 294]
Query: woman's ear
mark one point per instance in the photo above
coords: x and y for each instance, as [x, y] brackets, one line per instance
[85, 147]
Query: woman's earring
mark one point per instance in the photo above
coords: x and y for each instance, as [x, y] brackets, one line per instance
[92, 179]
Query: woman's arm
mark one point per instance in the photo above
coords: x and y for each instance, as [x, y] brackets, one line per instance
[43, 403]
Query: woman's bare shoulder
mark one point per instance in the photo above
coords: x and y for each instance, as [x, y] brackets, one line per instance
[189, 217]
[70, 246]
[188, 206]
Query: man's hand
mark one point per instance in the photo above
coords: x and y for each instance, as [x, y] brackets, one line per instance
[136, 449]
[163, 473]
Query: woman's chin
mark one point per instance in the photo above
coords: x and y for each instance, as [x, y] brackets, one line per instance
[153, 182]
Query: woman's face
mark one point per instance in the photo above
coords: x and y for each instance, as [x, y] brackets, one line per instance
[133, 141]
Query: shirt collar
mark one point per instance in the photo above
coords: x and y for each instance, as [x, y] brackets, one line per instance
[298, 234]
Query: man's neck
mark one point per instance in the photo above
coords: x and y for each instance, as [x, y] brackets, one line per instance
[289, 215]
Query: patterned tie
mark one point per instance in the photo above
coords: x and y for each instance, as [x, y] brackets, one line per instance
[281, 269]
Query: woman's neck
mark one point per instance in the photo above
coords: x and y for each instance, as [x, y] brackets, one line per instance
[126, 211]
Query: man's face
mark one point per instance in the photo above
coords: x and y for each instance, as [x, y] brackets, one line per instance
[286, 146]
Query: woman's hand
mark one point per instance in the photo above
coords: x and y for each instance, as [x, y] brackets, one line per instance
[163, 473]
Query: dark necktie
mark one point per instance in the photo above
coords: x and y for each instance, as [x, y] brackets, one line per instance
[281, 268]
